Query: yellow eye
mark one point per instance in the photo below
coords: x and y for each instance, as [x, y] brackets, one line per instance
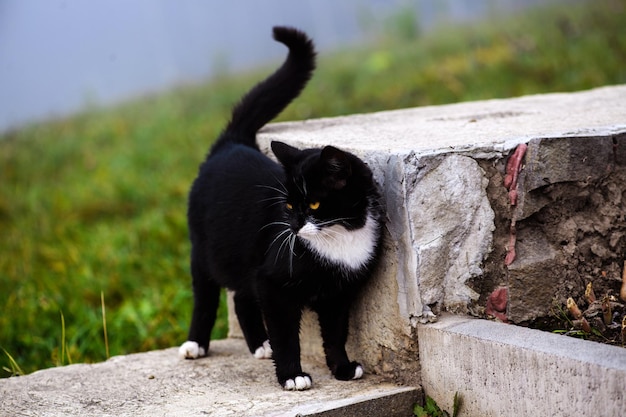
[289, 206]
[315, 205]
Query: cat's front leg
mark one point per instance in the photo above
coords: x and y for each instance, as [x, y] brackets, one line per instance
[333, 318]
[286, 355]
[282, 318]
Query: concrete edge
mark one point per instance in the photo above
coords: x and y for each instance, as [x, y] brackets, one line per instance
[560, 346]
[389, 402]
[504, 370]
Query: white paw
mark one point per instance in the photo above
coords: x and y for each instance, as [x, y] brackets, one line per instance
[300, 383]
[358, 372]
[264, 352]
[191, 350]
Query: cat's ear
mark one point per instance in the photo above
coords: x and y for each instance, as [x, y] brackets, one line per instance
[337, 167]
[286, 155]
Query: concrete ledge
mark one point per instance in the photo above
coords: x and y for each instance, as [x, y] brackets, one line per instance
[502, 370]
[450, 224]
[230, 382]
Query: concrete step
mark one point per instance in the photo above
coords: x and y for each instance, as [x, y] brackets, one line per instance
[504, 370]
[230, 382]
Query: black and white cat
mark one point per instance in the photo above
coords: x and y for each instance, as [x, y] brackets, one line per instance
[305, 233]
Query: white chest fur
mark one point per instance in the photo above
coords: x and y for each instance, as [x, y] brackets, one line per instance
[351, 249]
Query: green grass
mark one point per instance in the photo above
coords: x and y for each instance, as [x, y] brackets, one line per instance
[92, 207]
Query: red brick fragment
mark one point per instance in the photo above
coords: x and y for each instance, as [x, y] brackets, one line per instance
[513, 167]
[497, 302]
[510, 250]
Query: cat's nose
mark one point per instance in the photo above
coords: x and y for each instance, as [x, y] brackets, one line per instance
[295, 227]
[296, 223]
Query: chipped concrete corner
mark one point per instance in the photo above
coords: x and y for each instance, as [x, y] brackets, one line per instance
[452, 244]
[437, 257]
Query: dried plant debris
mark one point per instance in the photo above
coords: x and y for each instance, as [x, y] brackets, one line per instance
[603, 320]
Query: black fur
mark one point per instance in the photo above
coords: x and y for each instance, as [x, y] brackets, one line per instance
[244, 215]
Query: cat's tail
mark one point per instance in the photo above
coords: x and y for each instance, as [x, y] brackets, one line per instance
[268, 98]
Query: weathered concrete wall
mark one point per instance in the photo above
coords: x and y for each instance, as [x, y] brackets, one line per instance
[571, 223]
[449, 220]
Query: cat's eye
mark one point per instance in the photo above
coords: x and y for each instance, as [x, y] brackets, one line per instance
[289, 206]
[315, 205]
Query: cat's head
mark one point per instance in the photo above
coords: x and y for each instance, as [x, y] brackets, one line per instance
[324, 187]
[331, 204]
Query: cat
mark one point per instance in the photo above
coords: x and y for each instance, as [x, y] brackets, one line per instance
[302, 233]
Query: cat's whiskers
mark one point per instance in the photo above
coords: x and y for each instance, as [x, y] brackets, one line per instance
[288, 243]
[278, 190]
[281, 198]
[275, 224]
[292, 253]
[278, 236]
[338, 220]
[326, 238]
[281, 184]
[283, 244]
[330, 238]
[277, 200]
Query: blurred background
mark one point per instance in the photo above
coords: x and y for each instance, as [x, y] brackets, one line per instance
[108, 107]
[58, 56]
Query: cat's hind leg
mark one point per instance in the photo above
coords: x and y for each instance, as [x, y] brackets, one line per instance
[206, 297]
[251, 323]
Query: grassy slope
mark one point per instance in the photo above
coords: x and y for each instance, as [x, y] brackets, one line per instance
[96, 203]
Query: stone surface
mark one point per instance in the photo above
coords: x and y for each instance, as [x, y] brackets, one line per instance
[501, 370]
[570, 222]
[533, 276]
[568, 159]
[430, 163]
[230, 382]
[548, 161]
[482, 129]
[451, 231]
